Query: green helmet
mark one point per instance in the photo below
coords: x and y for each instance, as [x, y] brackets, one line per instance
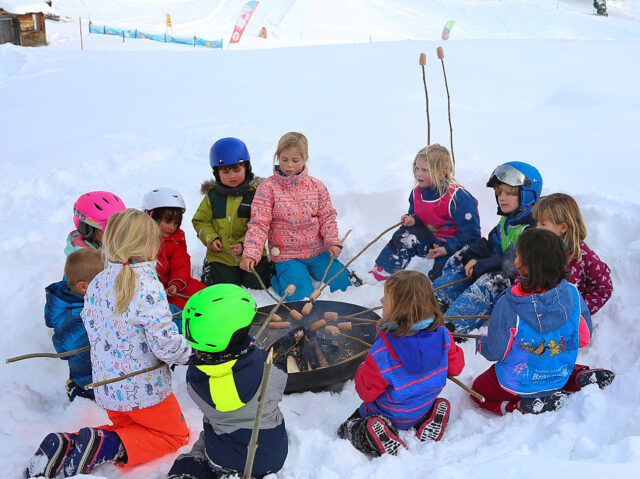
[213, 315]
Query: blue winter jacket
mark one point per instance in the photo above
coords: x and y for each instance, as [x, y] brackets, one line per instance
[414, 369]
[535, 338]
[498, 251]
[227, 390]
[62, 314]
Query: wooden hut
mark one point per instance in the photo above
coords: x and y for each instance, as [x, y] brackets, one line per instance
[27, 30]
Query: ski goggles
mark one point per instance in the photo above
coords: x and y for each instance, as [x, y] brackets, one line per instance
[508, 175]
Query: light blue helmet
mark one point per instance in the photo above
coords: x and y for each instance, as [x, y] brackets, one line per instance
[526, 177]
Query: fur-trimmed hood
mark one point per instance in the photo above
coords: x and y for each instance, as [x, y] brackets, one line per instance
[211, 182]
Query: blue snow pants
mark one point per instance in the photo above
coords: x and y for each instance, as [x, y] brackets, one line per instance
[467, 298]
[299, 273]
[406, 243]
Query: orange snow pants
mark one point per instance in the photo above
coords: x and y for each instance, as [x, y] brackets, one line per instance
[151, 432]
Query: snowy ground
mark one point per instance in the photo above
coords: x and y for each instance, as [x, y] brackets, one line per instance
[539, 81]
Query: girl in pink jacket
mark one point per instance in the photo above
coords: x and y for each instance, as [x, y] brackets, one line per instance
[293, 211]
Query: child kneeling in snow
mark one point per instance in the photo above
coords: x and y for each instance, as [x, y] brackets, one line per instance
[534, 334]
[166, 207]
[65, 300]
[404, 371]
[224, 381]
[129, 325]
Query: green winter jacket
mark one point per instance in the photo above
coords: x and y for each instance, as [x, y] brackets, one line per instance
[225, 218]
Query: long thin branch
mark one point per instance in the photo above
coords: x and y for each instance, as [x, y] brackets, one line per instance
[48, 355]
[478, 396]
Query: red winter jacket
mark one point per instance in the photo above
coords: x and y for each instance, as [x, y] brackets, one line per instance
[174, 263]
[592, 277]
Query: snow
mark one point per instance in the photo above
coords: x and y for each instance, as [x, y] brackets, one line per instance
[539, 81]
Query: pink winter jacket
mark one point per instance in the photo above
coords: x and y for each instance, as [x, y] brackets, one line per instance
[295, 214]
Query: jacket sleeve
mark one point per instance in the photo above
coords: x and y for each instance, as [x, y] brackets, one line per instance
[369, 382]
[260, 222]
[327, 218]
[162, 335]
[467, 219]
[585, 328]
[456, 358]
[203, 222]
[476, 250]
[598, 286]
[180, 266]
[495, 344]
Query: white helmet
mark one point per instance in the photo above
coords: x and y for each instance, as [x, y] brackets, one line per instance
[163, 198]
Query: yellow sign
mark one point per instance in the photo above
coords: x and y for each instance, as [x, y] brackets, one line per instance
[168, 21]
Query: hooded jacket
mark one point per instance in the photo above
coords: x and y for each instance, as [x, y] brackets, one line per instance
[62, 314]
[401, 377]
[223, 217]
[227, 390]
[174, 263]
[592, 277]
[295, 214]
[535, 338]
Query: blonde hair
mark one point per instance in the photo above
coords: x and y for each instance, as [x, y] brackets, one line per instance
[440, 166]
[130, 236]
[412, 301]
[83, 265]
[561, 208]
[295, 140]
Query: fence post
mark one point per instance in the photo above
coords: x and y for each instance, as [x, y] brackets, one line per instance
[80, 23]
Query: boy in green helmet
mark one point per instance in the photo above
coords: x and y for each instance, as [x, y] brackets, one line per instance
[224, 381]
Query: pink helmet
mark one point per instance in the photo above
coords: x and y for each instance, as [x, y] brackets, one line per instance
[95, 208]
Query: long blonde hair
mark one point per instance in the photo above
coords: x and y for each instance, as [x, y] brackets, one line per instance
[441, 168]
[130, 236]
[561, 208]
[412, 301]
[292, 139]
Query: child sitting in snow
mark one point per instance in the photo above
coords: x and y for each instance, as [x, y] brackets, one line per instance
[224, 381]
[404, 371]
[560, 214]
[534, 334]
[488, 263]
[65, 300]
[166, 207]
[293, 211]
[129, 325]
[443, 217]
[222, 217]
[90, 214]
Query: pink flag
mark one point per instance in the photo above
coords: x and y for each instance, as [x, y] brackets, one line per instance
[243, 19]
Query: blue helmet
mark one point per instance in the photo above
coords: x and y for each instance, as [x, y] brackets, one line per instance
[522, 175]
[228, 151]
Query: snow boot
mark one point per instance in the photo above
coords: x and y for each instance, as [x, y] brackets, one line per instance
[601, 377]
[93, 447]
[355, 279]
[379, 274]
[50, 456]
[552, 402]
[433, 424]
[382, 435]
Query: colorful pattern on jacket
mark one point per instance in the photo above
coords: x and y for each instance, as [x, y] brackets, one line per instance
[225, 218]
[454, 215]
[173, 266]
[141, 337]
[592, 277]
[295, 214]
[402, 376]
[62, 313]
[535, 338]
[227, 392]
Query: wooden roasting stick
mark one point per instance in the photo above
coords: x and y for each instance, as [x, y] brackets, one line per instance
[47, 355]
[362, 251]
[287, 292]
[306, 309]
[121, 378]
[294, 314]
[478, 396]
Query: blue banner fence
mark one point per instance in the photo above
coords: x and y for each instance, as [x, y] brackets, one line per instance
[156, 37]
